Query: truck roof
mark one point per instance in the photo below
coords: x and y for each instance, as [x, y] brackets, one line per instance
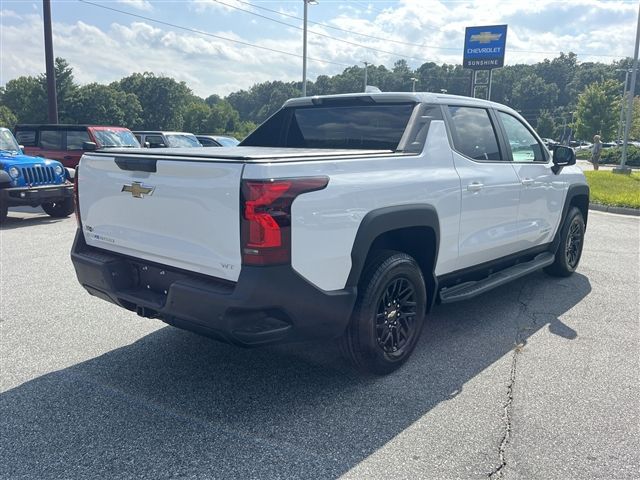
[392, 97]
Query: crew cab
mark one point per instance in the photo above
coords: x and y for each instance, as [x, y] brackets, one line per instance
[66, 143]
[345, 216]
[32, 181]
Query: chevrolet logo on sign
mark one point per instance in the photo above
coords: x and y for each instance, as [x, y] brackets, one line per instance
[485, 37]
[138, 190]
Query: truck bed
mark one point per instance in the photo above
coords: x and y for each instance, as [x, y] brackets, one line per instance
[243, 154]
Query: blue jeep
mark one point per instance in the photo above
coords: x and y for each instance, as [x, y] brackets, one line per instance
[32, 181]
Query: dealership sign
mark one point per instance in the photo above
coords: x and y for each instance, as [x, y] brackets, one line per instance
[484, 47]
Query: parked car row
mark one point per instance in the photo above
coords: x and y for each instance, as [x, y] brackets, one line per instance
[66, 143]
[37, 165]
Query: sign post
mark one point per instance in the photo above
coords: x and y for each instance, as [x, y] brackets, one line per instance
[484, 50]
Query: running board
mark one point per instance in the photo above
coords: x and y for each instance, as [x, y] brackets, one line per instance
[468, 290]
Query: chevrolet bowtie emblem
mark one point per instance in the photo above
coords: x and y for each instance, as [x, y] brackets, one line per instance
[138, 190]
[485, 37]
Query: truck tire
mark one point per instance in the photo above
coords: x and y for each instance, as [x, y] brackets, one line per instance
[59, 209]
[389, 314]
[570, 248]
[4, 210]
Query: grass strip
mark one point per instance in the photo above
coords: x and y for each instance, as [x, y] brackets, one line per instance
[614, 189]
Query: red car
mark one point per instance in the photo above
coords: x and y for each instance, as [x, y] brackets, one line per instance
[64, 142]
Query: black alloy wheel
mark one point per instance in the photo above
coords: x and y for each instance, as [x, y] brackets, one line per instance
[396, 317]
[389, 313]
[569, 252]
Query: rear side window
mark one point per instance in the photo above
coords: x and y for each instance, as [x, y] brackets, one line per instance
[26, 138]
[473, 133]
[75, 139]
[50, 139]
[360, 126]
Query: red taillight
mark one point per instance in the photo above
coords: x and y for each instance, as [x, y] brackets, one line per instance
[76, 201]
[265, 231]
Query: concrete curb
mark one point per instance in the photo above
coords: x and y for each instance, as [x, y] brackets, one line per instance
[619, 210]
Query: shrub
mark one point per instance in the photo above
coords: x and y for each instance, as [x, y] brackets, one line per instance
[612, 156]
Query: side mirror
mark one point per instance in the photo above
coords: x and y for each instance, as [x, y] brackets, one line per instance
[89, 146]
[146, 145]
[563, 157]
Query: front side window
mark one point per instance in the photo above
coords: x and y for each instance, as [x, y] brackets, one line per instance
[51, 139]
[155, 141]
[75, 139]
[473, 133]
[26, 137]
[524, 146]
[356, 126]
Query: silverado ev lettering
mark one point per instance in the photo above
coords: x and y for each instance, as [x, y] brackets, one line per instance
[344, 216]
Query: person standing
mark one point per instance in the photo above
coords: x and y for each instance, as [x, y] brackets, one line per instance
[595, 151]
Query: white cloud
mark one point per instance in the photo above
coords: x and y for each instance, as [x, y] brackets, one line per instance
[212, 65]
[143, 5]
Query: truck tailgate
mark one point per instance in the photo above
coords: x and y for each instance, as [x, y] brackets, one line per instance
[184, 214]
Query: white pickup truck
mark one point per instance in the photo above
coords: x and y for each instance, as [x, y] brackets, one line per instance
[344, 216]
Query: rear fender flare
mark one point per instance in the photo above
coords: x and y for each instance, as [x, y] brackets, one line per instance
[388, 219]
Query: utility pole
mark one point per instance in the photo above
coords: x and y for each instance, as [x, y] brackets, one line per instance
[52, 101]
[366, 65]
[624, 99]
[632, 88]
[304, 46]
[413, 84]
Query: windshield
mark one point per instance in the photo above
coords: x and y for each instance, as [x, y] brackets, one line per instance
[356, 126]
[7, 142]
[182, 140]
[227, 141]
[115, 138]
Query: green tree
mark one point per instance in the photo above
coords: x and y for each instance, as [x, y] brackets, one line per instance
[103, 104]
[7, 118]
[25, 97]
[196, 117]
[163, 100]
[545, 125]
[597, 111]
[532, 93]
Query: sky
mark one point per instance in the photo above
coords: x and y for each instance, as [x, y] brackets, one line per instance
[227, 45]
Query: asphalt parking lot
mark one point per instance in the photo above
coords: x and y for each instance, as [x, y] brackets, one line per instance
[539, 379]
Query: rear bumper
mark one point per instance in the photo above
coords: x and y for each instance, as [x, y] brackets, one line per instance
[267, 305]
[36, 195]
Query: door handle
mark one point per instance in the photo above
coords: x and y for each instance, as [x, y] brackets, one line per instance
[527, 181]
[475, 187]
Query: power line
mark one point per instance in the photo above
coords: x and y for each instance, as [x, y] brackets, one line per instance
[343, 29]
[208, 34]
[320, 34]
[457, 49]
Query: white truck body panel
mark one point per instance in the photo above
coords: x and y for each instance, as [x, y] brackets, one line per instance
[190, 221]
[325, 223]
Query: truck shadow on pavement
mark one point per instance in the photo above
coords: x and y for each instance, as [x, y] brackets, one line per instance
[174, 404]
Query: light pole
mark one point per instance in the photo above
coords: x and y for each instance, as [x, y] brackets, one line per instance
[632, 88]
[413, 83]
[624, 92]
[366, 69]
[304, 47]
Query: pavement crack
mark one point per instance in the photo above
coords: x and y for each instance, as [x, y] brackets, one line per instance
[498, 472]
